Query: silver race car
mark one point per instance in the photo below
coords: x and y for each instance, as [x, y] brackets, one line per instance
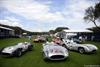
[82, 48]
[54, 51]
[39, 39]
[16, 50]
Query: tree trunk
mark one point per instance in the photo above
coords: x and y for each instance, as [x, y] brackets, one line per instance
[96, 25]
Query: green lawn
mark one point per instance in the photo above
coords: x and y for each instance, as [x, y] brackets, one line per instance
[34, 58]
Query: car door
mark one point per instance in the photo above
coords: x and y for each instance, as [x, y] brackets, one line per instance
[72, 46]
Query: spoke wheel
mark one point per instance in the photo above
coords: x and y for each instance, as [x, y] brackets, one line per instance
[81, 50]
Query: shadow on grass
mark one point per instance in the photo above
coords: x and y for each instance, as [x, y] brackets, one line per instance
[10, 57]
[90, 53]
[57, 61]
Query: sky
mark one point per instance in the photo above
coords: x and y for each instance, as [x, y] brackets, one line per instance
[45, 15]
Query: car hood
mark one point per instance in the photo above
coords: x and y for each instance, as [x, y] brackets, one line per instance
[9, 49]
[56, 50]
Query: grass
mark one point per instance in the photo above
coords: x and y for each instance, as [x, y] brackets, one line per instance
[34, 58]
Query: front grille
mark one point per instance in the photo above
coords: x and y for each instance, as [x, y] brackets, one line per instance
[94, 51]
[5, 53]
[57, 57]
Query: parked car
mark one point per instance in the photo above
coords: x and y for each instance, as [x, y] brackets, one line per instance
[53, 51]
[82, 48]
[39, 39]
[16, 50]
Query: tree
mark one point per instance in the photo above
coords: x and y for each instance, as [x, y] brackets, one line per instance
[94, 29]
[97, 11]
[59, 29]
[52, 31]
[92, 14]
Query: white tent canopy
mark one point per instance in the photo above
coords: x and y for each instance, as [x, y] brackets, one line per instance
[73, 34]
[77, 31]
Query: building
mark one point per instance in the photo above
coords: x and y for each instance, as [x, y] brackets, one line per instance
[6, 32]
[87, 34]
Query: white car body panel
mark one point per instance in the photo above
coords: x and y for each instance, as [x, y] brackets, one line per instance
[9, 50]
[51, 49]
[74, 46]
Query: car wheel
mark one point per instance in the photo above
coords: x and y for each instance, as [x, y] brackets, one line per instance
[18, 53]
[30, 48]
[1, 50]
[81, 50]
[64, 45]
[44, 57]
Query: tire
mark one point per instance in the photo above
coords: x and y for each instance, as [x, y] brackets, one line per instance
[18, 53]
[64, 45]
[44, 57]
[30, 48]
[1, 50]
[81, 50]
